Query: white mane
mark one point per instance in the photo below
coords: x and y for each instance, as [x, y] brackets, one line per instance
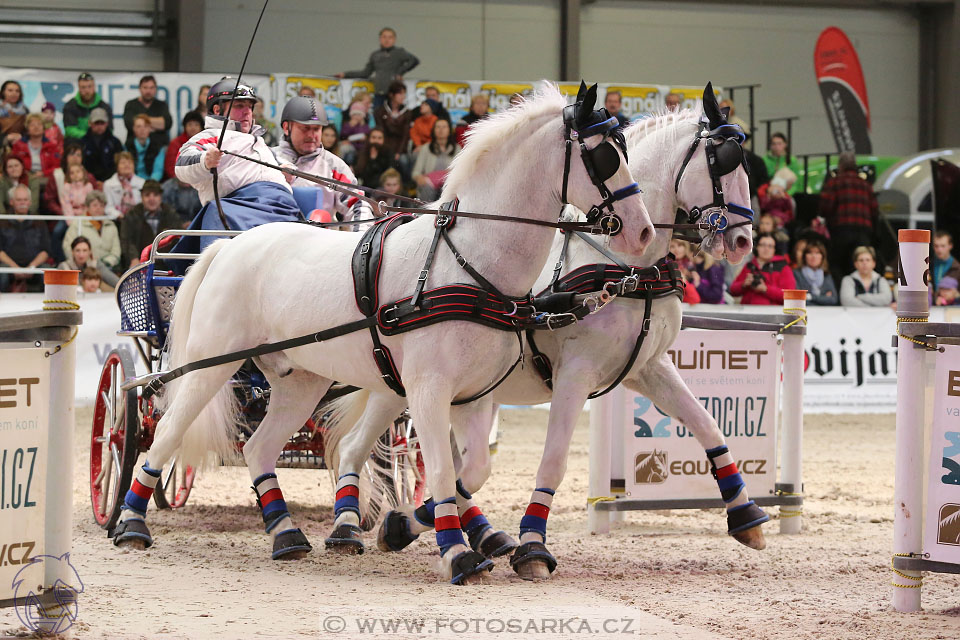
[498, 130]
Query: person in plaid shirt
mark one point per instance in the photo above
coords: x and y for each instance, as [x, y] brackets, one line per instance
[848, 204]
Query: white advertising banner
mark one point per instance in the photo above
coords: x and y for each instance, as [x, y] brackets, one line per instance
[735, 375]
[24, 428]
[941, 538]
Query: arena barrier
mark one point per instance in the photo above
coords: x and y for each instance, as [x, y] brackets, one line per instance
[37, 370]
[747, 370]
[926, 534]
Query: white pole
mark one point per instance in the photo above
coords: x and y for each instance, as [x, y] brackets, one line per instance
[912, 302]
[791, 459]
[601, 415]
[60, 292]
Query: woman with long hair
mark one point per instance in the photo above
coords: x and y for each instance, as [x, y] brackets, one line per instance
[432, 161]
[813, 274]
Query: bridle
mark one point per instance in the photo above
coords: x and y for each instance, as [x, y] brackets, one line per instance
[723, 158]
[601, 162]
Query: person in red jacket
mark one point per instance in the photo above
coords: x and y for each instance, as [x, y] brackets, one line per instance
[36, 146]
[764, 278]
[192, 125]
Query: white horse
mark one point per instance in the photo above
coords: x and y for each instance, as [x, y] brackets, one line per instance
[588, 357]
[282, 280]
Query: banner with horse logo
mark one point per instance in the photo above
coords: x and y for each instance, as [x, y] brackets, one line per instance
[942, 525]
[735, 375]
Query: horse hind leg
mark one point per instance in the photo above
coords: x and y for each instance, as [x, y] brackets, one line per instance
[661, 382]
[293, 398]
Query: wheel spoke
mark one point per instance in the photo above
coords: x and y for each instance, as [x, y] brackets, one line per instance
[116, 458]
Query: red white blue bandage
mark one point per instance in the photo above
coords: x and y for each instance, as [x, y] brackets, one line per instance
[535, 518]
[348, 494]
[273, 508]
[447, 524]
[139, 494]
[726, 473]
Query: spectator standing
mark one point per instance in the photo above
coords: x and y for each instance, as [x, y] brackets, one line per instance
[778, 151]
[849, 206]
[612, 104]
[432, 93]
[12, 110]
[81, 257]
[944, 264]
[157, 112]
[122, 189]
[374, 160]
[145, 221]
[192, 125]
[23, 243]
[51, 131]
[421, 130]
[182, 198]
[100, 147]
[711, 287]
[865, 287]
[479, 109]
[14, 173]
[40, 155]
[76, 112]
[102, 235]
[813, 275]
[433, 159]
[148, 155]
[764, 278]
[386, 65]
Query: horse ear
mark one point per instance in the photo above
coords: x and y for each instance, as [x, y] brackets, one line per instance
[710, 107]
[586, 109]
[582, 90]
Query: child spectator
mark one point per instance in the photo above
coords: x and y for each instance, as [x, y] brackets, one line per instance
[90, 280]
[373, 160]
[192, 125]
[865, 287]
[39, 154]
[764, 278]
[148, 155]
[479, 109]
[768, 224]
[946, 293]
[100, 147]
[72, 154]
[123, 188]
[354, 132]
[774, 199]
[329, 138]
[422, 128]
[51, 131]
[432, 93]
[102, 234]
[391, 181]
[14, 173]
[81, 257]
[813, 275]
[433, 159]
[12, 111]
[73, 196]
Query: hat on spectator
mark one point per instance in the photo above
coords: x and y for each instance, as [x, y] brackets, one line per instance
[358, 107]
[98, 115]
[48, 106]
[948, 282]
[784, 177]
[151, 186]
[434, 105]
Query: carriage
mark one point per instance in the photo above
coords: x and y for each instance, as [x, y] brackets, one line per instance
[125, 419]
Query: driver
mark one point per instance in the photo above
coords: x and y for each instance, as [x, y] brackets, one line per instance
[250, 194]
[302, 120]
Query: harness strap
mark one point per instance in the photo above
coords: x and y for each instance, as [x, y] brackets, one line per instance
[422, 278]
[519, 360]
[484, 283]
[540, 361]
[644, 330]
[559, 267]
[608, 254]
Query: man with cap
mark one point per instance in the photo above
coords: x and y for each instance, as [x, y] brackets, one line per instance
[76, 112]
[100, 146]
[302, 120]
[250, 194]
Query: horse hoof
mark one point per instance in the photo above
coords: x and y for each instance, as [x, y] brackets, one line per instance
[346, 539]
[532, 561]
[290, 545]
[135, 544]
[132, 533]
[497, 544]
[752, 537]
[394, 533]
[469, 567]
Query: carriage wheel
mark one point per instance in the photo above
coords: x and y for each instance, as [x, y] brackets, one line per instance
[114, 441]
[174, 486]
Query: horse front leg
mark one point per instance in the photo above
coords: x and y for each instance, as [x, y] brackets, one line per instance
[532, 560]
[661, 382]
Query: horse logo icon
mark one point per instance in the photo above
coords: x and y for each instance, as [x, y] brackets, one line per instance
[948, 531]
[49, 617]
[650, 467]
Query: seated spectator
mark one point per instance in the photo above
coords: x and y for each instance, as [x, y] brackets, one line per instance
[732, 118]
[479, 109]
[76, 111]
[768, 224]
[374, 159]
[796, 258]
[72, 155]
[147, 155]
[307, 92]
[422, 127]
[23, 244]
[102, 235]
[393, 118]
[260, 118]
[712, 286]
[157, 112]
[81, 257]
[764, 278]
[691, 277]
[813, 275]
[354, 132]
[432, 93]
[100, 147]
[40, 155]
[613, 102]
[90, 281]
[774, 199]
[123, 188]
[672, 102]
[183, 198]
[944, 264]
[192, 125]
[865, 287]
[202, 92]
[12, 111]
[145, 221]
[946, 293]
[778, 150]
[14, 173]
[392, 182]
[329, 139]
[432, 160]
[51, 131]
[73, 196]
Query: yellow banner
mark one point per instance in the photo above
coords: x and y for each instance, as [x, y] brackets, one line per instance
[500, 93]
[453, 95]
[636, 100]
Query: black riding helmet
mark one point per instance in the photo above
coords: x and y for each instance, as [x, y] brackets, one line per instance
[222, 92]
[302, 109]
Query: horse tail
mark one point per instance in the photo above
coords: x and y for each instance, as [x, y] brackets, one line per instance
[211, 438]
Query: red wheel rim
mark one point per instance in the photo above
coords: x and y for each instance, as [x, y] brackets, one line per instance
[103, 435]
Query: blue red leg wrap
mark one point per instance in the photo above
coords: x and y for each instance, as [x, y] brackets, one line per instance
[535, 518]
[448, 527]
[348, 494]
[139, 494]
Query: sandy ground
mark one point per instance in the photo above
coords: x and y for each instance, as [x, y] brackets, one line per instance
[659, 574]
